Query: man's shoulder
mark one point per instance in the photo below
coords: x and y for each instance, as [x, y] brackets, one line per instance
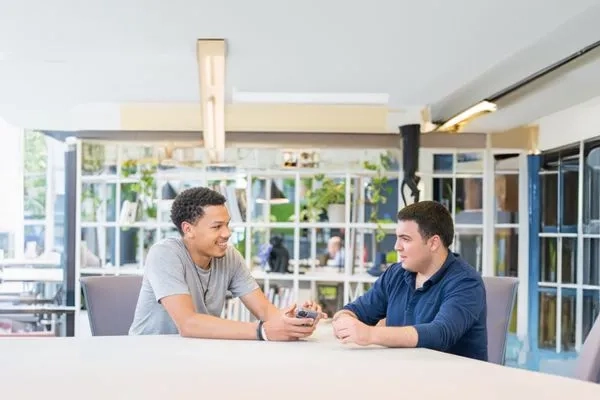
[462, 271]
[395, 272]
[171, 243]
[168, 248]
[462, 265]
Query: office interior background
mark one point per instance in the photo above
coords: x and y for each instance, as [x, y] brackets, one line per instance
[111, 115]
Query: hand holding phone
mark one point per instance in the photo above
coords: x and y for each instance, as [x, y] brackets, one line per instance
[306, 313]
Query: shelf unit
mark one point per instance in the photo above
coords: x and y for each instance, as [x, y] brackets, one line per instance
[466, 172]
[103, 230]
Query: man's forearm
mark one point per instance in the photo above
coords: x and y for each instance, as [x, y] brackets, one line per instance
[209, 327]
[271, 312]
[403, 336]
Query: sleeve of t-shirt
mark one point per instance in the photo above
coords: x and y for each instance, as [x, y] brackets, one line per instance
[165, 272]
[241, 282]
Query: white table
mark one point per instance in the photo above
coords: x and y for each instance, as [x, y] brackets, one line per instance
[171, 367]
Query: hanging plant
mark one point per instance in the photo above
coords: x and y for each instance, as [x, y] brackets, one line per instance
[378, 191]
[92, 158]
[144, 190]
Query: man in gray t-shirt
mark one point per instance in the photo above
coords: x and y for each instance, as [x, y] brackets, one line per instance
[169, 270]
[186, 280]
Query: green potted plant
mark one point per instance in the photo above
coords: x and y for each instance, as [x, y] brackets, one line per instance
[143, 191]
[92, 158]
[329, 196]
[378, 191]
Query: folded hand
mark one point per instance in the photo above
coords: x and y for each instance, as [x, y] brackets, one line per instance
[350, 330]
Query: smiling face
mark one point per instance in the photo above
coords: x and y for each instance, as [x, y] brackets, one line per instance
[210, 234]
[415, 252]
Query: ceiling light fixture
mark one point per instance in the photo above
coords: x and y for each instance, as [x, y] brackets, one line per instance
[454, 123]
[211, 64]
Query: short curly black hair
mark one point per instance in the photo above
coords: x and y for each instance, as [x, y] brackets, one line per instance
[432, 218]
[189, 205]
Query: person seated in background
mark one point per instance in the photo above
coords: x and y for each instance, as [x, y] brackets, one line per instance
[432, 298]
[186, 280]
[335, 251]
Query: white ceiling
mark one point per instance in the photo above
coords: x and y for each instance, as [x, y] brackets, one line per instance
[59, 54]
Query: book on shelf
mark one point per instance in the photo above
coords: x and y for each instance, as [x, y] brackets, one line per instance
[236, 203]
[128, 212]
[331, 297]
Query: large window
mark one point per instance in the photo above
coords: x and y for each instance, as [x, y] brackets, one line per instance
[43, 194]
[458, 184]
[35, 189]
[569, 246]
[506, 221]
[506, 214]
[590, 238]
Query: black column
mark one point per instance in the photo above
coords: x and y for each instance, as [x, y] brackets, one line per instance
[71, 239]
[411, 145]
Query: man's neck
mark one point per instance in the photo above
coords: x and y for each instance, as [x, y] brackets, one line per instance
[436, 264]
[202, 261]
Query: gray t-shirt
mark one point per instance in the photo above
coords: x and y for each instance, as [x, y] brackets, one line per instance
[170, 270]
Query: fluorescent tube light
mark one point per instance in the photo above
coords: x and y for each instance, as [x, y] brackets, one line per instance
[478, 109]
[211, 63]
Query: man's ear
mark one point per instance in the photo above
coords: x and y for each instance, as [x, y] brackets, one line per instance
[186, 227]
[435, 242]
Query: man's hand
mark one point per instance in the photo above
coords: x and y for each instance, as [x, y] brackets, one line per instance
[350, 330]
[314, 306]
[286, 327]
[344, 312]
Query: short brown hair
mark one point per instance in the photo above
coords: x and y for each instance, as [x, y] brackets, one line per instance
[432, 218]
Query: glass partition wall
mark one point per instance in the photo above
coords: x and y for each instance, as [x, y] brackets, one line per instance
[32, 271]
[567, 288]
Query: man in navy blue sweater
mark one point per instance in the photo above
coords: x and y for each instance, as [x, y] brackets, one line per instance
[432, 298]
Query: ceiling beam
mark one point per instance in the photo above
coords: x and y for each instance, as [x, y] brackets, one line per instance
[250, 139]
[211, 54]
[498, 84]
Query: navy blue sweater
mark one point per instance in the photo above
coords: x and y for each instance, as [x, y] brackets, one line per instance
[448, 311]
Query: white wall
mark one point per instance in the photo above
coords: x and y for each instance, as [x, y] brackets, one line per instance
[570, 125]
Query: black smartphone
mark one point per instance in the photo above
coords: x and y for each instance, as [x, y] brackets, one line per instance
[305, 313]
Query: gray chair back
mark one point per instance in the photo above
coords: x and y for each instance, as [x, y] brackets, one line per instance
[111, 302]
[587, 367]
[501, 293]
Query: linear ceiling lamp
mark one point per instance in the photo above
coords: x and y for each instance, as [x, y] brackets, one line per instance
[510, 94]
[211, 54]
[456, 122]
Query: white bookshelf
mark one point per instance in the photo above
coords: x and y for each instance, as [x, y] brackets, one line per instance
[304, 240]
[102, 228]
